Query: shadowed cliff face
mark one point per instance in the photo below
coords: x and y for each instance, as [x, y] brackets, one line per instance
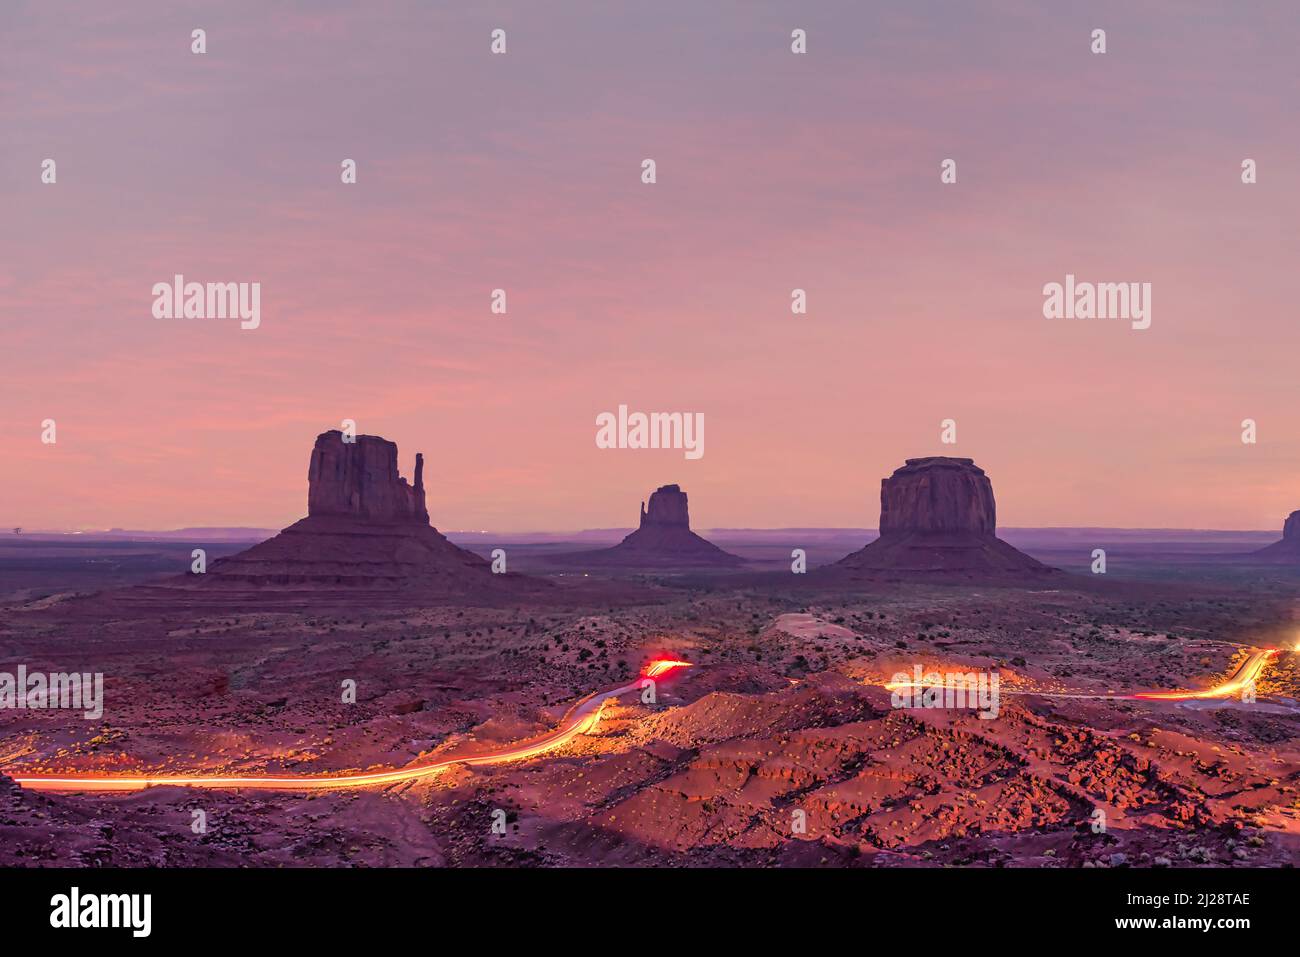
[665, 537]
[360, 480]
[366, 527]
[663, 540]
[1287, 549]
[938, 518]
[937, 494]
[667, 508]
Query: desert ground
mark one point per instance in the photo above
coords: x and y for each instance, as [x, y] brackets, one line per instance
[784, 710]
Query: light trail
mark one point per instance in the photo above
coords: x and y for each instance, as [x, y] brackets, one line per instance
[1247, 673]
[580, 719]
[1241, 679]
[662, 666]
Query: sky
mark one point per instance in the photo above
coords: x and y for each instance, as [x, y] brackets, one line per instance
[775, 171]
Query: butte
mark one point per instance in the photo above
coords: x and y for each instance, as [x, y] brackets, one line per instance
[366, 528]
[663, 540]
[938, 521]
[1287, 550]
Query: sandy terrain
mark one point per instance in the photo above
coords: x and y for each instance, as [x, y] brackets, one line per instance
[783, 717]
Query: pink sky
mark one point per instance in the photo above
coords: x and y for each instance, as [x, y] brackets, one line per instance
[775, 171]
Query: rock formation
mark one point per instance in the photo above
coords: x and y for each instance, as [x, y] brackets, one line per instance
[938, 518]
[365, 527]
[359, 480]
[668, 508]
[662, 540]
[937, 495]
[1286, 551]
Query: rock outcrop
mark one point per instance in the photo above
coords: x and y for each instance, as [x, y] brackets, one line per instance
[668, 509]
[938, 519]
[1286, 551]
[366, 527]
[360, 480]
[937, 495]
[663, 540]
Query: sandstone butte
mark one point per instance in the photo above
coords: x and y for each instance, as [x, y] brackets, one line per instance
[663, 539]
[1287, 550]
[366, 526]
[938, 519]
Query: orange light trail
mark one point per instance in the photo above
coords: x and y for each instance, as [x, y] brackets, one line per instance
[1247, 673]
[580, 719]
[1245, 676]
[661, 666]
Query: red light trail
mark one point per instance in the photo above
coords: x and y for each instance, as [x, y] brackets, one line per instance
[1247, 673]
[580, 719]
[1244, 677]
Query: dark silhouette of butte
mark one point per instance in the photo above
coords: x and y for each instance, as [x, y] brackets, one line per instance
[938, 519]
[365, 527]
[663, 540]
[1286, 551]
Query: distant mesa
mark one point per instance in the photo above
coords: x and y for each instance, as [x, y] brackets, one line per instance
[938, 519]
[663, 539]
[366, 526]
[1286, 551]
